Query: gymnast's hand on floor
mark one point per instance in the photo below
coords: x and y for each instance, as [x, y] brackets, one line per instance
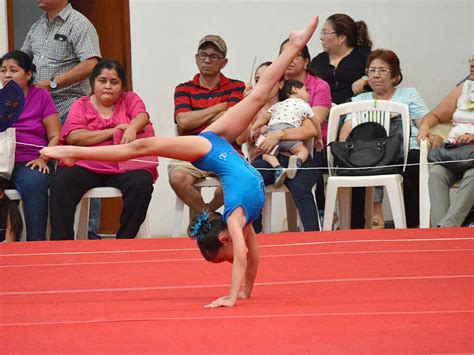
[224, 301]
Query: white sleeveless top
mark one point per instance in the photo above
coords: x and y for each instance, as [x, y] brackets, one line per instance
[463, 117]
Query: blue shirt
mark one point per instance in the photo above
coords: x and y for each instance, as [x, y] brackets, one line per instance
[242, 185]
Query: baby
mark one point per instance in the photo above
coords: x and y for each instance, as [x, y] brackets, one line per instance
[290, 112]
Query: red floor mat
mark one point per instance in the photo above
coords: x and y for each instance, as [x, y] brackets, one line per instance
[339, 292]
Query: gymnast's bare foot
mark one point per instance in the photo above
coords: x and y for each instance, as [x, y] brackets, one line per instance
[63, 153]
[300, 38]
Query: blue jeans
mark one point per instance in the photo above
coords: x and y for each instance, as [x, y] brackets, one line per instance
[33, 188]
[300, 188]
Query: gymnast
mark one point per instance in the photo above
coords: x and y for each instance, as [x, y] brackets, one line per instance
[220, 238]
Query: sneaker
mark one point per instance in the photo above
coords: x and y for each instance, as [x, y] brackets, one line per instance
[292, 167]
[280, 177]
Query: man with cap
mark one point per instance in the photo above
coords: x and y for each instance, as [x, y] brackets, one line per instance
[198, 103]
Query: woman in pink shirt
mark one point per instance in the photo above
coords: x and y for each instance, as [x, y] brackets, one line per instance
[109, 116]
[37, 126]
[320, 101]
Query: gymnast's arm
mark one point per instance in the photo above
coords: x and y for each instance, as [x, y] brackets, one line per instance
[235, 226]
[252, 262]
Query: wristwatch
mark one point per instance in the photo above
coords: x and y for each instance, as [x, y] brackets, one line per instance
[52, 83]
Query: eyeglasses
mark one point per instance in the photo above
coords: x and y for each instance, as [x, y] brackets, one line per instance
[380, 71]
[325, 33]
[212, 57]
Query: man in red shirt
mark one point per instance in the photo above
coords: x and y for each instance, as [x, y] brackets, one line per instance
[198, 103]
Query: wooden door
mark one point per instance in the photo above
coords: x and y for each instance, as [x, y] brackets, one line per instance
[111, 18]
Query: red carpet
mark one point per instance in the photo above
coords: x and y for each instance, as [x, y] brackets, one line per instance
[389, 291]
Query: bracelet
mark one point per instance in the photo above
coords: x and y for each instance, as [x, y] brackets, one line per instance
[283, 137]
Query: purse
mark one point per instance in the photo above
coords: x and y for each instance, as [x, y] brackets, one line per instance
[367, 147]
[453, 156]
[7, 152]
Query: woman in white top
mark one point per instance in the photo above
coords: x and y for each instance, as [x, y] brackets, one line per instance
[384, 75]
[457, 108]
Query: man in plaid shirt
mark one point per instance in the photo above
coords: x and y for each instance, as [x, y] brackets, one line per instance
[65, 48]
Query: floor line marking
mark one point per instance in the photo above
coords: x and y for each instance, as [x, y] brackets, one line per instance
[289, 315]
[261, 246]
[261, 256]
[273, 283]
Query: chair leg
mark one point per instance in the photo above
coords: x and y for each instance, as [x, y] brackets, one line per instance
[267, 215]
[22, 214]
[345, 205]
[178, 217]
[329, 208]
[395, 196]
[81, 219]
[291, 213]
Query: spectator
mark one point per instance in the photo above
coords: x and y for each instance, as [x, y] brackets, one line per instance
[11, 224]
[37, 126]
[320, 100]
[290, 112]
[346, 46]
[301, 186]
[253, 150]
[65, 48]
[384, 76]
[94, 121]
[456, 108]
[198, 103]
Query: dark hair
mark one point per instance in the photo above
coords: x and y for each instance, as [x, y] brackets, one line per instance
[287, 88]
[356, 33]
[264, 64]
[110, 64]
[9, 209]
[206, 229]
[391, 59]
[23, 60]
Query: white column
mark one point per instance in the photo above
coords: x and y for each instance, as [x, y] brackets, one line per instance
[3, 27]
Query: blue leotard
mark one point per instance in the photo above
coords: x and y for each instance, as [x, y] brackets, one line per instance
[243, 185]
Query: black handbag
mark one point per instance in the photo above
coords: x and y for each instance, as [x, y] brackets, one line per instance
[366, 148]
[453, 156]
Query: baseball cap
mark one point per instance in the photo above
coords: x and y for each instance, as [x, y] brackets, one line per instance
[217, 41]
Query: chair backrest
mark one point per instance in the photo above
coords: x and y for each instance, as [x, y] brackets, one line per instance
[368, 111]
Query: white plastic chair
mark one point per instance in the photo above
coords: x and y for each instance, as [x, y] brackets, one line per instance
[425, 206]
[364, 111]
[14, 195]
[81, 218]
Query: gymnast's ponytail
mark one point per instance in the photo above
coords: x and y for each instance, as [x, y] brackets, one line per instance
[205, 228]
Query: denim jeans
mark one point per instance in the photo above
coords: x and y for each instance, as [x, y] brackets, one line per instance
[33, 188]
[300, 188]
